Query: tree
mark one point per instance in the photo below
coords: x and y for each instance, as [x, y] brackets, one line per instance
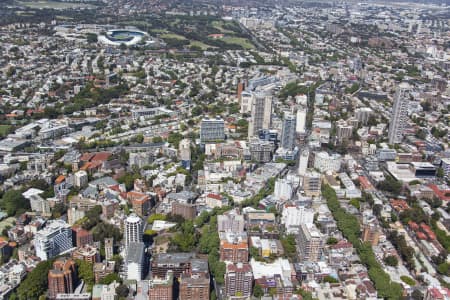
[391, 185]
[289, 245]
[86, 272]
[258, 291]
[108, 279]
[122, 290]
[186, 238]
[174, 138]
[139, 138]
[92, 217]
[128, 179]
[91, 38]
[391, 260]
[58, 210]
[417, 295]
[332, 241]
[444, 269]
[36, 282]
[408, 280]
[104, 230]
[440, 173]
[157, 139]
[330, 279]
[14, 203]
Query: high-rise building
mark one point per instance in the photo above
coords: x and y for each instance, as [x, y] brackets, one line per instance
[133, 229]
[344, 131]
[161, 288]
[233, 246]
[62, 278]
[212, 130]
[246, 102]
[312, 184]
[81, 236]
[81, 179]
[134, 261]
[53, 240]
[109, 248]
[300, 126]
[283, 189]
[186, 210]
[238, 281]
[103, 269]
[288, 132]
[261, 114]
[309, 243]
[87, 253]
[362, 114]
[177, 263]
[184, 152]
[294, 215]
[325, 162]
[194, 285]
[231, 221]
[399, 116]
[303, 162]
[141, 203]
[261, 151]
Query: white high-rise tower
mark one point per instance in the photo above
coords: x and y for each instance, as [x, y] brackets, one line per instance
[399, 116]
[133, 229]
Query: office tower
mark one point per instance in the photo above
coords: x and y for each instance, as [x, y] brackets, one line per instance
[194, 285]
[261, 114]
[134, 261]
[295, 215]
[109, 248]
[185, 153]
[161, 288]
[246, 102]
[300, 126]
[288, 132]
[309, 243]
[62, 278]
[81, 179]
[212, 130]
[344, 131]
[363, 114]
[283, 189]
[311, 184]
[53, 240]
[238, 280]
[399, 116]
[303, 162]
[261, 151]
[133, 229]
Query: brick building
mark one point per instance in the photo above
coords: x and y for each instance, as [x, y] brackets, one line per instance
[62, 278]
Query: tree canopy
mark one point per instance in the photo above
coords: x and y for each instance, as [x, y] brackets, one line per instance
[14, 203]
